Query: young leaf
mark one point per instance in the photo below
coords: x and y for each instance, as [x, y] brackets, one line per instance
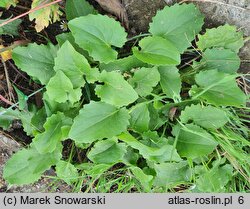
[25, 117]
[131, 157]
[62, 93]
[144, 80]
[98, 120]
[225, 36]
[63, 37]
[22, 98]
[218, 177]
[170, 82]
[158, 155]
[193, 141]
[123, 64]
[43, 17]
[157, 51]
[52, 106]
[97, 34]
[152, 139]
[67, 172]
[116, 90]
[145, 180]
[7, 116]
[207, 117]
[225, 60]
[168, 174]
[72, 64]
[139, 120]
[78, 8]
[47, 141]
[178, 24]
[155, 120]
[10, 28]
[218, 88]
[40, 57]
[38, 120]
[107, 151]
[27, 165]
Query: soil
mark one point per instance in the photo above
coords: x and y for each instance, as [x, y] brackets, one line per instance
[139, 14]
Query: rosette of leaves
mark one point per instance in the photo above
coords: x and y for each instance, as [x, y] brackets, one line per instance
[124, 110]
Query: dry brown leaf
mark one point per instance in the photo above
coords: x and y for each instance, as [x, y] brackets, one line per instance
[6, 55]
[43, 17]
[116, 8]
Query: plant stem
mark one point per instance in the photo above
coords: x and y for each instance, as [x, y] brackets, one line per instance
[5, 100]
[139, 36]
[15, 44]
[16, 104]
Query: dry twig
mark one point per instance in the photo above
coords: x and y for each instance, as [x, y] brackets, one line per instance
[9, 87]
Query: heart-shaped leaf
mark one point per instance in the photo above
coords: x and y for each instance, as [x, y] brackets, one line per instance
[116, 90]
[144, 80]
[193, 141]
[97, 34]
[40, 57]
[178, 24]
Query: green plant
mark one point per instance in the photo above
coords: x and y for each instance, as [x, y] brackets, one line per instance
[168, 127]
[10, 29]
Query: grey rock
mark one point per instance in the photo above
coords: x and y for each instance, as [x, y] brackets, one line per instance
[234, 12]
